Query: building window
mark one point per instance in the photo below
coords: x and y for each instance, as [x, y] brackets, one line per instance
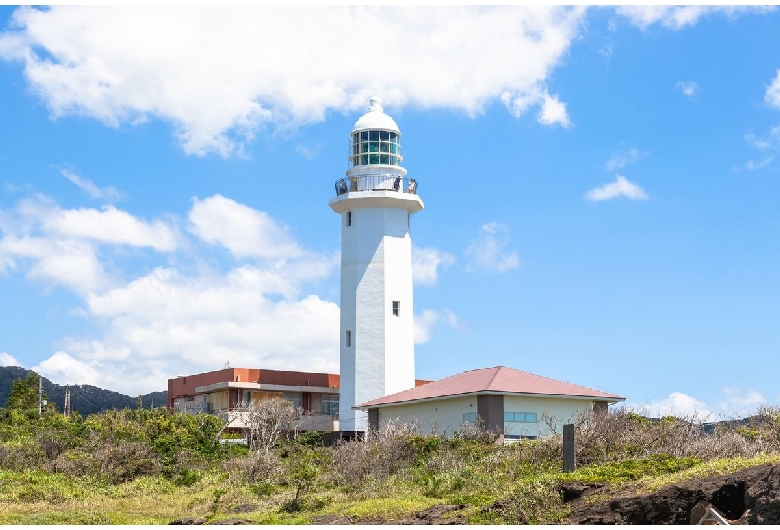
[330, 404]
[349, 218]
[396, 308]
[348, 339]
[520, 417]
[470, 417]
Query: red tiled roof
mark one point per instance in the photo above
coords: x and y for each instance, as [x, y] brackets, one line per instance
[499, 379]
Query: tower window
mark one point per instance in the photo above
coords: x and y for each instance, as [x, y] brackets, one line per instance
[396, 308]
[348, 339]
[349, 218]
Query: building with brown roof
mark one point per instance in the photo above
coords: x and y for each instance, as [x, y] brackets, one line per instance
[503, 399]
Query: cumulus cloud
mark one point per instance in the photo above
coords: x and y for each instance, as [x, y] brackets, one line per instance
[109, 193]
[159, 324]
[63, 367]
[678, 17]
[620, 188]
[772, 95]
[688, 88]
[621, 158]
[6, 359]
[166, 323]
[244, 231]
[216, 75]
[740, 403]
[428, 319]
[677, 404]
[426, 262]
[488, 250]
[62, 246]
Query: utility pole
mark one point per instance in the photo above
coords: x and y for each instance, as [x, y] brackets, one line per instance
[66, 412]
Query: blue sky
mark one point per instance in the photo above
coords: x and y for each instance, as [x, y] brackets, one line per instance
[600, 186]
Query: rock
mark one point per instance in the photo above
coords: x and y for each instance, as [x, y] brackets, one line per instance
[748, 496]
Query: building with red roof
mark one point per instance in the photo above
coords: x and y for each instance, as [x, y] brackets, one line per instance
[503, 399]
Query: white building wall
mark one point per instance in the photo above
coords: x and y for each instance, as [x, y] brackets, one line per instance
[376, 269]
[442, 416]
[562, 410]
[446, 415]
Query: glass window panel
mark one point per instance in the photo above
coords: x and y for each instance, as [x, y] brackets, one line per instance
[393, 148]
[355, 149]
[384, 147]
[373, 159]
[364, 147]
[530, 417]
[393, 160]
[384, 135]
[393, 136]
[364, 135]
[384, 159]
[373, 135]
[373, 147]
[508, 416]
[364, 160]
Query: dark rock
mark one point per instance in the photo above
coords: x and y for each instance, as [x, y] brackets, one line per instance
[188, 520]
[231, 521]
[750, 496]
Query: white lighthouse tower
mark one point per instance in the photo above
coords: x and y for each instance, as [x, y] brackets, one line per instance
[375, 201]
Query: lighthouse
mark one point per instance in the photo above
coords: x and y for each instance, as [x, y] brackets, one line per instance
[375, 200]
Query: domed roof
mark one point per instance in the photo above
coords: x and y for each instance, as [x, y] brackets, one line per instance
[375, 118]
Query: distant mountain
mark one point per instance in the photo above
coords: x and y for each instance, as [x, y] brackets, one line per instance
[85, 399]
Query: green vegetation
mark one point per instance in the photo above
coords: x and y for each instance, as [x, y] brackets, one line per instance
[151, 467]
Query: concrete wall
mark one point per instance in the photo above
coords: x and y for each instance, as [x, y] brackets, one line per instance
[185, 385]
[446, 415]
[443, 416]
[376, 269]
[561, 409]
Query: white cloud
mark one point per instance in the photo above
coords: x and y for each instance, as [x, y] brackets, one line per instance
[428, 319]
[108, 193]
[165, 323]
[218, 77]
[620, 188]
[678, 17]
[772, 95]
[244, 231]
[6, 359]
[553, 112]
[752, 165]
[426, 262]
[677, 404]
[488, 250]
[170, 321]
[62, 246]
[111, 226]
[688, 88]
[62, 367]
[620, 159]
[740, 403]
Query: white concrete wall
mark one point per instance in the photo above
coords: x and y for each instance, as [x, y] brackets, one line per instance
[446, 415]
[561, 409]
[442, 416]
[376, 269]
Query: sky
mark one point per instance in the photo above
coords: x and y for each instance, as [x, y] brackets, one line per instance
[600, 189]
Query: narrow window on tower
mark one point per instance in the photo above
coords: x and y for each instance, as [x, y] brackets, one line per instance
[396, 308]
[348, 338]
[349, 218]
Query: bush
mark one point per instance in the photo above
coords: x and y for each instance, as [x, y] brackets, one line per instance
[124, 461]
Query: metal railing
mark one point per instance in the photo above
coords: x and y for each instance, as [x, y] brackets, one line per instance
[376, 183]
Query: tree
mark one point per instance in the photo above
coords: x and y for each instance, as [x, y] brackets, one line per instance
[265, 421]
[24, 393]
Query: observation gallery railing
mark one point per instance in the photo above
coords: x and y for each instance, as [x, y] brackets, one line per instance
[376, 183]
